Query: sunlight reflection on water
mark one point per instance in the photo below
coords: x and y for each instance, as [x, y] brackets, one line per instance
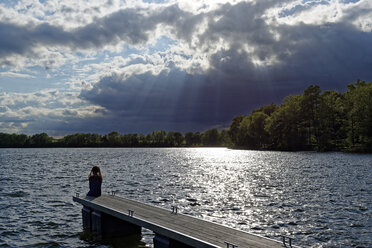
[321, 199]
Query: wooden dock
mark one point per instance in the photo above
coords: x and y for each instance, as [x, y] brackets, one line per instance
[171, 225]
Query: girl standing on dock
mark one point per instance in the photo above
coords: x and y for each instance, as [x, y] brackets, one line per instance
[95, 181]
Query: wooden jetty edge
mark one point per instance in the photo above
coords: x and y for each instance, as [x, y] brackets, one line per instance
[110, 215]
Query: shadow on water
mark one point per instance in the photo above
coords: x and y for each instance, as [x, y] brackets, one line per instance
[48, 244]
[19, 193]
[131, 241]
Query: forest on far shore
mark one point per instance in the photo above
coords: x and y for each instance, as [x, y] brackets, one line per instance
[312, 121]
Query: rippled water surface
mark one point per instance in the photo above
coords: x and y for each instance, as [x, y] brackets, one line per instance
[321, 199]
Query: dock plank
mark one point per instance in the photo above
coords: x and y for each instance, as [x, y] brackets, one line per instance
[183, 228]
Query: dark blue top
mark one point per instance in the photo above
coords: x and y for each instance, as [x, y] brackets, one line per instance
[95, 183]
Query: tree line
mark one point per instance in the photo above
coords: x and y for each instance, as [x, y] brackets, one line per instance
[314, 120]
[209, 138]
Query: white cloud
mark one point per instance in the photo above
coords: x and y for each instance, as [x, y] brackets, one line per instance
[22, 110]
[360, 14]
[105, 48]
[15, 74]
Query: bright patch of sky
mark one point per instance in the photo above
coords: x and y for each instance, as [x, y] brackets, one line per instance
[9, 3]
[155, 1]
[162, 44]
[301, 7]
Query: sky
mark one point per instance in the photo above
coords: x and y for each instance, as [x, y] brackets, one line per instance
[175, 65]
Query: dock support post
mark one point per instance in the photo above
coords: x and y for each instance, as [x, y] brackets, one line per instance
[161, 241]
[108, 226]
[87, 221]
[97, 222]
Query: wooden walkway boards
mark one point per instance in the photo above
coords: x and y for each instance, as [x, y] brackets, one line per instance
[182, 228]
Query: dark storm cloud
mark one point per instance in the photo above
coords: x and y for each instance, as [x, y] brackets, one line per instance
[330, 55]
[175, 100]
[169, 96]
[282, 59]
[303, 52]
[132, 26]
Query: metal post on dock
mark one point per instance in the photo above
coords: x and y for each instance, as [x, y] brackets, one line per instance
[108, 216]
[284, 239]
[174, 209]
[230, 245]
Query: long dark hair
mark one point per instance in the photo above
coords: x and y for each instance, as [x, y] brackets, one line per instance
[96, 171]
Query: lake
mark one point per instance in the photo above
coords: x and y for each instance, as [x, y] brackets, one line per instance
[320, 199]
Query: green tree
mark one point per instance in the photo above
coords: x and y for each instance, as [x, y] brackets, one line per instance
[41, 140]
[157, 138]
[268, 109]
[130, 140]
[197, 138]
[210, 137]
[174, 139]
[13, 140]
[332, 118]
[20, 140]
[359, 115]
[4, 140]
[188, 138]
[113, 139]
[94, 139]
[225, 139]
[178, 139]
[234, 131]
[284, 125]
[253, 129]
[142, 140]
[192, 139]
[249, 131]
[309, 113]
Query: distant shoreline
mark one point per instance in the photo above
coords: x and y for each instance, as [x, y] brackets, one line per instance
[313, 121]
[152, 147]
